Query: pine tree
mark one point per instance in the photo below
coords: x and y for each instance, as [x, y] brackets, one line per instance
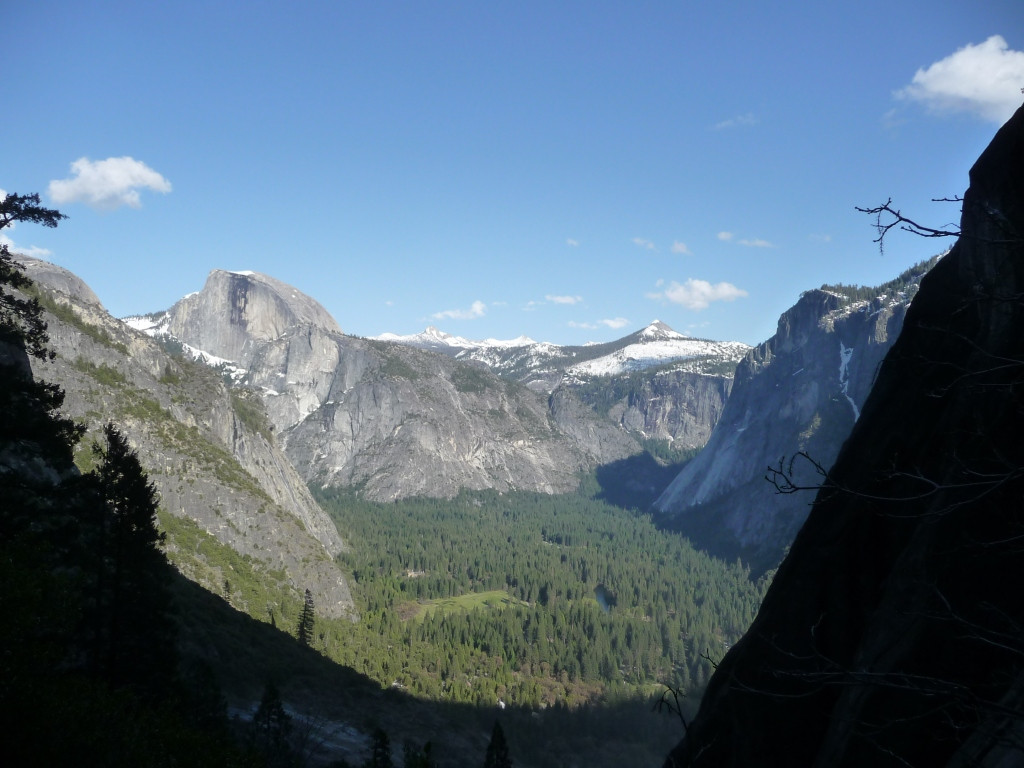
[134, 630]
[497, 751]
[380, 757]
[307, 620]
[413, 757]
[30, 427]
[271, 727]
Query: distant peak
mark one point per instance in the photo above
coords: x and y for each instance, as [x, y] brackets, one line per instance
[659, 331]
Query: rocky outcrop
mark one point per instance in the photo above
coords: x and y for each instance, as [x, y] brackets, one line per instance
[891, 634]
[205, 448]
[800, 391]
[680, 407]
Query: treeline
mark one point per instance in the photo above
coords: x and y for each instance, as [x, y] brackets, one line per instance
[908, 279]
[596, 599]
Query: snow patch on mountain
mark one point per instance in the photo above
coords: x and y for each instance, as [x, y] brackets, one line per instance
[661, 350]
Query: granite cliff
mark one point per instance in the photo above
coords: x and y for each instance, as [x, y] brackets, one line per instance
[891, 634]
[389, 419]
[658, 385]
[800, 391]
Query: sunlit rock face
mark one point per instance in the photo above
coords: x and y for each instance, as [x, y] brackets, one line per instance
[891, 634]
[389, 419]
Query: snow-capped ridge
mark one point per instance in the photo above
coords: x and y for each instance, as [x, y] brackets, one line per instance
[432, 338]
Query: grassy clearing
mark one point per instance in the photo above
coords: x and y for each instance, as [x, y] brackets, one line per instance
[495, 598]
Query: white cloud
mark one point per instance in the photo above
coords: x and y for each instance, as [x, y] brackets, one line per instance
[820, 238]
[34, 251]
[698, 294]
[107, 184]
[678, 247]
[736, 122]
[564, 299]
[983, 80]
[585, 326]
[617, 322]
[726, 236]
[478, 309]
[755, 243]
[570, 242]
[644, 243]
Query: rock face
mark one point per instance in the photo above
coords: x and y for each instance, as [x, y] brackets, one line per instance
[656, 384]
[390, 419]
[236, 312]
[211, 464]
[675, 405]
[800, 391]
[891, 634]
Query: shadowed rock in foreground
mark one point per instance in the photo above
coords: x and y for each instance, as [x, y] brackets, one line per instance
[893, 633]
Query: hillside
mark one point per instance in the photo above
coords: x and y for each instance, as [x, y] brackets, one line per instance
[208, 448]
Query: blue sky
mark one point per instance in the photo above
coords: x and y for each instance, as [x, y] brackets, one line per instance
[569, 171]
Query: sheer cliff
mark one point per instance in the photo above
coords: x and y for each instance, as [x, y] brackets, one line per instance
[800, 391]
[891, 634]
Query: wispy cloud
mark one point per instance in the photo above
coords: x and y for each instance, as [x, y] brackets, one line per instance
[33, 250]
[477, 309]
[678, 247]
[725, 236]
[755, 243]
[736, 122]
[820, 238]
[571, 242]
[564, 299]
[614, 322]
[698, 294]
[983, 80]
[644, 243]
[107, 184]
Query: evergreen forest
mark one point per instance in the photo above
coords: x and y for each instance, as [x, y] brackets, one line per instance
[531, 599]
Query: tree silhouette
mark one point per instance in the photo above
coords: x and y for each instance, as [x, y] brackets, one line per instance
[380, 756]
[271, 727]
[307, 620]
[497, 751]
[134, 631]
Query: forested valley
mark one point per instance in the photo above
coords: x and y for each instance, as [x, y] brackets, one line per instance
[530, 599]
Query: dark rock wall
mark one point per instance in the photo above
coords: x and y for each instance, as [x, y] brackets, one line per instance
[893, 633]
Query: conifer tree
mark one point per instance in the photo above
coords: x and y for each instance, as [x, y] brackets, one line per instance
[497, 751]
[133, 625]
[271, 727]
[380, 756]
[307, 620]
